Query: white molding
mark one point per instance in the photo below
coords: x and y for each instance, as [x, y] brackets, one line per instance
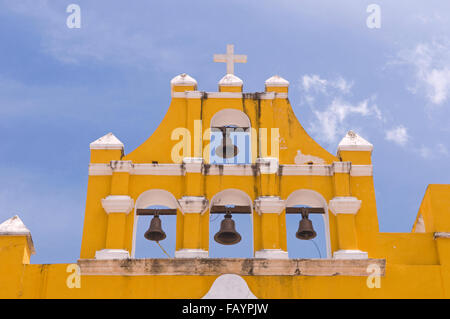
[354, 142]
[158, 169]
[269, 205]
[224, 95]
[191, 253]
[341, 167]
[121, 166]
[117, 204]
[98, 169]
[350, 254]
[273, 95]
[229, 286]
[271, 254]
[441, 235]
[193, 204]
[361, 170]
[267, 165]
[193, 164]
[228, 95]
[229, 169]
[306, 170]
[344, 205]
[107, 142]
[112, 254]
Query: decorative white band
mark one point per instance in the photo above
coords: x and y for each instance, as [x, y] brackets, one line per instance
[228, 169]
[361, 170]
[341, 167]
[345, 205]
[271, 254]
[269, 205]
[305, 170]
[193, 204]
[350, 254]
[267, 165]
[112, 254]
[117, 204]
[228, 95]
[191, 253]
[121, 166]
[193, 164]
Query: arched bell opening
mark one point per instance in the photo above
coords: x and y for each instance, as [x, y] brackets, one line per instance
[230, 140]
[231, 225]
[156, 233]
[305, 235]
[155, 217]
[307, 228]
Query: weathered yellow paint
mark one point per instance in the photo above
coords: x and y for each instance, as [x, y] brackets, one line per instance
[417, 264]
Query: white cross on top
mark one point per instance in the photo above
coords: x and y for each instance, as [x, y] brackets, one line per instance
[230, 58]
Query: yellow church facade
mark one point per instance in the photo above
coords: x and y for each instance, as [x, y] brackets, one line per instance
[177, 168]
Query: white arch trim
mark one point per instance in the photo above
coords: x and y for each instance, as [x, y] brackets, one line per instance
[230, 117]
[231, 196]
[148, 198]
[312, 198]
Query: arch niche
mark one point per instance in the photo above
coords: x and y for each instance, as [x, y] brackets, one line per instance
[312, 198]
[152, 197]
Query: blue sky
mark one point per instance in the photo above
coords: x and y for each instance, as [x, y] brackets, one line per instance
[62, 88]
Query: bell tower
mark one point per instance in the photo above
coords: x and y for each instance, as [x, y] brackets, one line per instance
[222, 154]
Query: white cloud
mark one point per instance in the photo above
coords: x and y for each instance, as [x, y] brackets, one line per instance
[315, 83]
[442, 149]
[332, 121]
[431, 63]
[398, 135]
[425, 152]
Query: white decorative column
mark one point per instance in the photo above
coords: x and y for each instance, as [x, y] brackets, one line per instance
[269, 208]
[345, 208]
[192, 207]
[117, 207]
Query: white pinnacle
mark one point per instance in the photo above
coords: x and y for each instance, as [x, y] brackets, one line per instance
[276, 80]
[230, 80]
[15, 227]
[107, 142]
[354, 142]
[183, 80]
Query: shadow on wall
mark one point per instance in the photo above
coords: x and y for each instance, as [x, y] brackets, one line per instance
[149, 249]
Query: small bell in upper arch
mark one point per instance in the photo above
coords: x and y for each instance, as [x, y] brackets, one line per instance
[226, 149]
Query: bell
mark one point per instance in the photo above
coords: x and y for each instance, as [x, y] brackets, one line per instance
[227, 235]
[305, 229]
[226, 149]
[155, 231]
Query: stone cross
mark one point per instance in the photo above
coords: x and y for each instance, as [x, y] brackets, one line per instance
[230, 58]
